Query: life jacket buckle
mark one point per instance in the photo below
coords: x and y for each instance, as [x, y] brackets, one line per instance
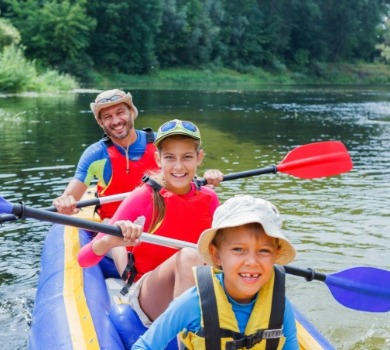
[254, 339]
[272, 333]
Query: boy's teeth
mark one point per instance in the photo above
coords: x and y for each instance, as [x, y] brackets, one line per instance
[249, 275]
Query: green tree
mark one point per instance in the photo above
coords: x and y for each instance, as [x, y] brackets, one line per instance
[305, 36]
[350, 28]
[8, 34]
[187, 34]
[124, 38]
[384, 46]
[55, 33]
[242, 34]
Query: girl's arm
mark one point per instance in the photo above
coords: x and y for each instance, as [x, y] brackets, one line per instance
[137, 204]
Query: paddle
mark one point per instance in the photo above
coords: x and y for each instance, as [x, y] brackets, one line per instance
[359, 288]
[21, 211]
[80, 204]
[314, 160]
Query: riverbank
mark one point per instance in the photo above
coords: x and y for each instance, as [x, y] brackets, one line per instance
[320, 73]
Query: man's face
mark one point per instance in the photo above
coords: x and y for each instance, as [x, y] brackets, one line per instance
[117, 121]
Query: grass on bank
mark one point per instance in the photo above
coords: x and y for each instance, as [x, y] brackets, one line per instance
[17, 74]
[319, 73]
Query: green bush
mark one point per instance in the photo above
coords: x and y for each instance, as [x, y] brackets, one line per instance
[17, 74]
[8, 34]
[54, 81]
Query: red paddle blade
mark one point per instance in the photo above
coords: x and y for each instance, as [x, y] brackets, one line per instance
[314, 160]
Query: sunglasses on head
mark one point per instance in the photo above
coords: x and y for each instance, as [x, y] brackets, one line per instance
[173, 124]
[110, 99]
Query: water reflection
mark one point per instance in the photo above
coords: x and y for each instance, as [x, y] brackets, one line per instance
[335, 223]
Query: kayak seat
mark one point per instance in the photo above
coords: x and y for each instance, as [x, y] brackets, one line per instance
[129, 326]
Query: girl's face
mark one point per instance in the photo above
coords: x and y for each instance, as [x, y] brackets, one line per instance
[178, 160]
[247, 256]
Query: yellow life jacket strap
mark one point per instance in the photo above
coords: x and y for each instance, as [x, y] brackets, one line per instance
[208, 302]
[278, 305]
[212, 333]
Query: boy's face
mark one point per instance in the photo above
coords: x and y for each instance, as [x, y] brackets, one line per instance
[247, 256]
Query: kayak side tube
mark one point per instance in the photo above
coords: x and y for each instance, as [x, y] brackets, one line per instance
[71, 309]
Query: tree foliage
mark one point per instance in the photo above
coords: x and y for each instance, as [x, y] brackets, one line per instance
[55, 33]
[9, 35]
[138, 36]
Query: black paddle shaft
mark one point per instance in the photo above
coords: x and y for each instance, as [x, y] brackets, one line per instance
[20, 210]
[268, 170]
[81, 204]
[308, 274]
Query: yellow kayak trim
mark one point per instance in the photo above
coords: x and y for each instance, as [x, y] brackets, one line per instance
[305, 339]
[80, 323]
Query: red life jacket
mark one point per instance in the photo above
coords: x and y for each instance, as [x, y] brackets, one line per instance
[126, 175]
[185, 219]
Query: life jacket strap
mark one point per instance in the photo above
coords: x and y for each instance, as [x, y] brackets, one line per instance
[242, 341]
[152, 183]
[249, 341]
[149, 135]
[278, 305]
[208, 302]
[212, 331]
[129, 274]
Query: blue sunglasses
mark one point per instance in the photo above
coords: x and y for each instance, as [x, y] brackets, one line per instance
[173, 124]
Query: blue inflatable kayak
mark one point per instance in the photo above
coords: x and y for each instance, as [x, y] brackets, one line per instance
[80, 309]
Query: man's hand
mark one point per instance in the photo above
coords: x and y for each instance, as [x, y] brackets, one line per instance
[66, 204]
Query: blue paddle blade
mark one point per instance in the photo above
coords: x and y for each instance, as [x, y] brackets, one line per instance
[361, 288]
[5, 206]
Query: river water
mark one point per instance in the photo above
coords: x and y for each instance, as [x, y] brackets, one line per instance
[336, 223]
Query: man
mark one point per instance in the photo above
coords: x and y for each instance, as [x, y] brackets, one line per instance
[119, 160]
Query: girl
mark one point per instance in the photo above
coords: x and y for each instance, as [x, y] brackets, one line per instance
[168, 204]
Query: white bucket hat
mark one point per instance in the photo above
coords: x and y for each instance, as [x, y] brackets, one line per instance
[110, 98]
[245, 209]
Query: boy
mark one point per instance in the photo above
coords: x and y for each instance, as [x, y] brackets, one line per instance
[239, 302]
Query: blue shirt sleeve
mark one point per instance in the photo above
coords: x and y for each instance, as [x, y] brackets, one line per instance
[289, 328]
[183, 313]
[93, 163]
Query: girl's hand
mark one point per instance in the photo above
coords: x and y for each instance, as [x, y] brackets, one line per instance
[131, 232]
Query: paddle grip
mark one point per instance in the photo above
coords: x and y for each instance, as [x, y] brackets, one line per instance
[309, 274]
[7, 217]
